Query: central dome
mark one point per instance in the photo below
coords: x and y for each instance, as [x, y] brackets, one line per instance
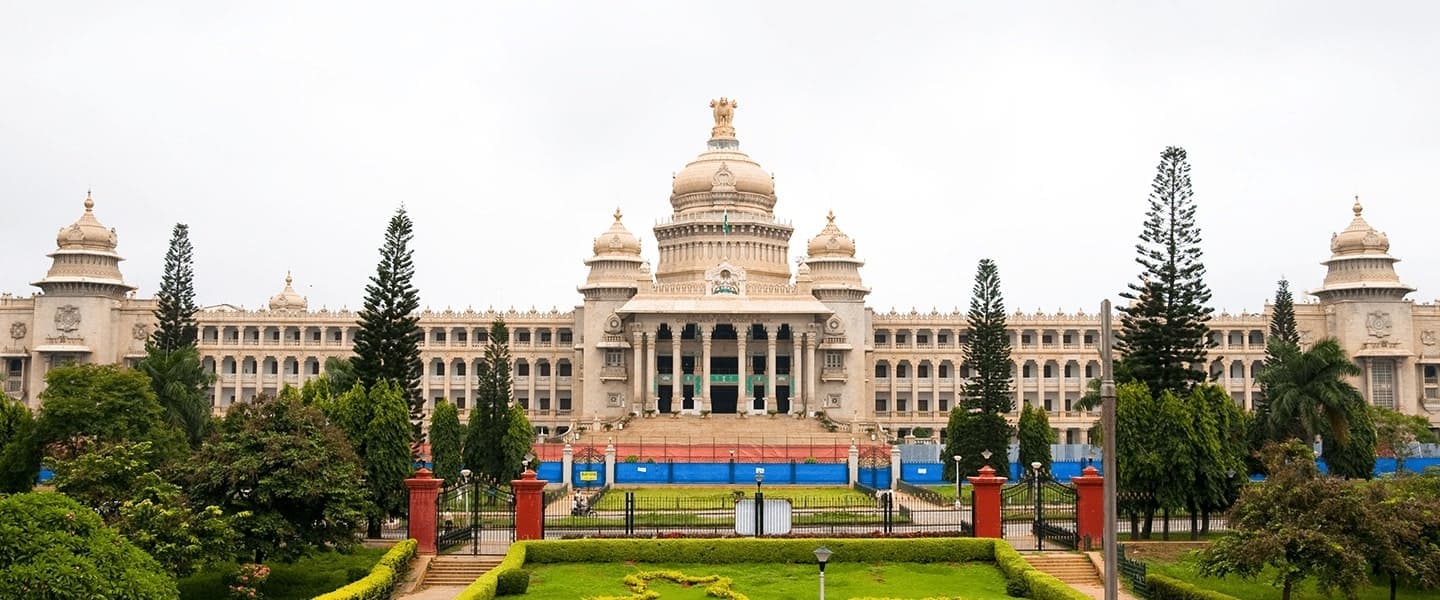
[723, 177]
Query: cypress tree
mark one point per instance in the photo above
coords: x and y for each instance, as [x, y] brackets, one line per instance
[1282, 316]
[387, 346]
[490, 417]
[978, 421]
[445, 437]
[1283, 338]
[1163, 329]
[1035, 438]
[386, 454]
[175, 301]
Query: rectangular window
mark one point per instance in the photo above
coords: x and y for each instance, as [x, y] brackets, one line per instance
[881, 404]
[901, 338]
[943, 338]
[924, 371]
[832, 360]
[944, 370]
[1382, 383]
[879, 338]
[922, 339]
[460, 402]
[614, 358]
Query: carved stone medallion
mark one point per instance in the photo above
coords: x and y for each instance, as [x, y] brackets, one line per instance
[1428, 337]
[18, 330]
[141, 331]
[1377, 324]
[834, 326]
[67, 318]
[614, 325]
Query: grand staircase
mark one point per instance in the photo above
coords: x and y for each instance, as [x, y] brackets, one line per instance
[457, 570]
[727, 427]
[1071, 568]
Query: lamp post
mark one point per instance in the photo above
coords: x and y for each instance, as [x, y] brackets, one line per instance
[759, 503]
[986, 455]
[822, 556]
[957, 481]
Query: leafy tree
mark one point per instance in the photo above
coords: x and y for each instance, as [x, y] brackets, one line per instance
[316, 392]
[965, 437]
[1140, 454]
[517, 444]
[159, 519]
[987, 350]
[294, 473]
[1405, 544]
[387, 346]
[1163, 330]
[1035, 438]
[490, 417]
[19, 454]
[1396, 431]
[386, 454]
[179, 382]
[1282, 335]
[104, 476]
[1307, 391]
[1174, 434]
[53, 547]
[86, 405]
[445, 439]
[1354, 456]
[175, 300]
[1299, 523]
[339, 373]
[1218, 449]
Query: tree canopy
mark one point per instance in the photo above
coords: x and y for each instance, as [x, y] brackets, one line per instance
[175, 300]
[179, 381]
[490, 419]
[86, 405]
[977, 421]
[1035, 438]
[445, 441]
[387, 345]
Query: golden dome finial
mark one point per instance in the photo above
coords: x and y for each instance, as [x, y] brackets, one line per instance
[288, 279]
[830, 215]
[724, 112]
[1357, 208]
[617, 214]
[89, 204]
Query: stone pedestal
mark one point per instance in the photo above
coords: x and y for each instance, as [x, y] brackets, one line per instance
[424, 491]
[1089, 506]
[529, 506]
[986, 502]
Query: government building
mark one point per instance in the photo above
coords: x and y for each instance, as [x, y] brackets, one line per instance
[722, 323]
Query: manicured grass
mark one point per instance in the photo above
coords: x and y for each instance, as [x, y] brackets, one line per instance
[302, 579]
[947, 491]
[976, 581]
[1187, 569]
[655, 497]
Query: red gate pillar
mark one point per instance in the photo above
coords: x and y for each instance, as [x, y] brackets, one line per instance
[986, 502]
[424, 492]
[1089, 505]
[529, 506]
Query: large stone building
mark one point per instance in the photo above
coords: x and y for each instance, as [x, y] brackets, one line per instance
[721, 324]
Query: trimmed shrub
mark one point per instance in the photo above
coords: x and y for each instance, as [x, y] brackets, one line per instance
[513, 582]
[484, 587]
[382, 579]
[749, 550]
[1021, 577]
[1170, 588]
[1016, 588]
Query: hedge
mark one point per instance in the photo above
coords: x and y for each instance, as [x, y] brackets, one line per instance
[483, 588]
[1170, 588]
[1021, 575]
[382, 578]
[750, 550]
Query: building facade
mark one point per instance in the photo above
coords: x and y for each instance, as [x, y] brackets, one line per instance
[721, 324]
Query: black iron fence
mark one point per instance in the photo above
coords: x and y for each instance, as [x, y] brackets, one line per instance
[474, 515]
[1039, 513]
[1133, 570]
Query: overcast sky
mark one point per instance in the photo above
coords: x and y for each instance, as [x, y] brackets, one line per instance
[285, 134]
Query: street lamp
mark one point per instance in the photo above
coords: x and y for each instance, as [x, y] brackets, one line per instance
[822, 556]
[1035, 466]
[525, 466]
[957, 481]
[759, 478]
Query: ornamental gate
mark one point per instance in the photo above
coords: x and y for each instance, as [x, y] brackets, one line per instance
[474, 515]
[1039, 512]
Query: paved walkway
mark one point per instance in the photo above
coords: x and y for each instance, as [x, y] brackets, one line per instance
[435, 592]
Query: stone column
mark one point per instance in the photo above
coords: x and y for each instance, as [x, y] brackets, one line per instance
[610, 463]
[554, 383]
[530, 385]
[677, 376]
[894, 467]
[637, 373]
[914, 385]
[811, 373]
[424, 491]
[985, 503]
[702, 370]
[529, 506]
[652, 379]
[853, 460]
[746, 397]
[797, 381]
[770, 366]
[567, 465]
[1089, 507]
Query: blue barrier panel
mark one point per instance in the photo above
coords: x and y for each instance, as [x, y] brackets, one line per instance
[822, 474]
[46, 475]
[922, 473]
[550, 471]
[642, 473]
[709, 473]
[775, 473]
[577, 479]
[875, 477]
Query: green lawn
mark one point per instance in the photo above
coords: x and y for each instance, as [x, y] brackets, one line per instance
[655, 497]
[303, 579]
[1260, 589]
[947, 491]
[973, 581]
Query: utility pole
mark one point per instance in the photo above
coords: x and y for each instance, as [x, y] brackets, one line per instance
[1107, 426]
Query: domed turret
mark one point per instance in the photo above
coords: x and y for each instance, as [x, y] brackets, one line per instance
[287, 299]
[831, 241]
[617, 240]
[832, 266]
[1361, 267]
[616, 268]
[84, 261]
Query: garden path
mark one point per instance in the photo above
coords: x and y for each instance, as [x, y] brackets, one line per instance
[435, 592]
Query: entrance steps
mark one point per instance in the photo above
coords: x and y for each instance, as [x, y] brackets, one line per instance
[461, 570]
[1068, 567]
[779, 429]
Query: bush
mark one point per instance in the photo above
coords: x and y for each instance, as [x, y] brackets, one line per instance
[631, 458]
[1021, 576]
[484, 587]
[513, 582]
[749, 550]
[382, 579]
[1016, 588]
[1169, 588]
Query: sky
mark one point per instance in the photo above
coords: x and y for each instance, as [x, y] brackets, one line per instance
[285, 135]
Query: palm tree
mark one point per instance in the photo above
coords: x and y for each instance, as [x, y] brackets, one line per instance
[179, 381]
[1306, 390]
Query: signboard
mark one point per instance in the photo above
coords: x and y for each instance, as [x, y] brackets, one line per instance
[589, 476]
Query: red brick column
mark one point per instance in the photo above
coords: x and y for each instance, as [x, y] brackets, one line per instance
[986, 503]
[1089, 505]
[424, 491]
[529, 506]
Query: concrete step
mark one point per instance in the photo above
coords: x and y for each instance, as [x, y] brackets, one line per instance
[1068, 568]
[457, 570]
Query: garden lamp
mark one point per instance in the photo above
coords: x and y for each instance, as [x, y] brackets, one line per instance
[822, 556]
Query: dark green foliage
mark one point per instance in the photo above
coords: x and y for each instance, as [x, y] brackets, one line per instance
[1395, 431]
[179, 382]
[314, 574]
[52, 547]
[158, 518]
[777, 551]
[1218, 447]
[86, 405]
[19, 453]
[294, 472]
[1163, 329]
[445, 440]
[1354, 458]
[988, 349]
[517, 445]
[387, 346]
[485, 446]
[104, 475]
[1282, 315]
[1307, 390]
[1168, 588]
[968, 435]
[175, 300]
[1283, 335]
[1406, 537]
[386, 453]
[513, 582]
[1035, 438]
[1016, 588]
[1299, 523]
[339, 374]
[316, 392]
[378, 583]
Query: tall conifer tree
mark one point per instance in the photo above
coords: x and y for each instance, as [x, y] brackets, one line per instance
[387, 346]
[445, 441]
[490, 417]
[1282, 316]
[175, 301]
[1163, 330]
[1283, 334]
[977, 423]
